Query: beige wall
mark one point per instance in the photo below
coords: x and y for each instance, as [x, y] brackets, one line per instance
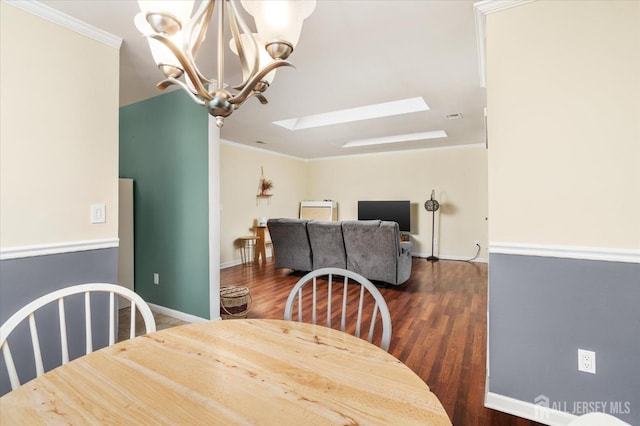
[239, 178]
[564, 167]
[459, 177]
[58, 132]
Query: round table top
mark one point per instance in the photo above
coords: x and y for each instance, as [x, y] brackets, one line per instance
[243, 371]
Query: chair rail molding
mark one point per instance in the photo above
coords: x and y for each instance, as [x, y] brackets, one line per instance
[567, 252]
[57, 248]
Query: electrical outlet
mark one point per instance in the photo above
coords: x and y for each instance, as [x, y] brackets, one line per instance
[476, 242]
[586, 361]
[156, 278]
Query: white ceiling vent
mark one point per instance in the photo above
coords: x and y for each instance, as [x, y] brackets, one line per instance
[454, 116]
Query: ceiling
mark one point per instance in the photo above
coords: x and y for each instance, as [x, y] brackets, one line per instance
[350, 54]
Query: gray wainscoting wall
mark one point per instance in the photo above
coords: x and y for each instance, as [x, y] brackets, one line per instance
[25, 279]
[542, 309]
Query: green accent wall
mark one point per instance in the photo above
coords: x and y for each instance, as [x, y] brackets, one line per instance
[163, 147]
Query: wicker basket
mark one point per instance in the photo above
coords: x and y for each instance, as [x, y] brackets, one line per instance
[234, 302]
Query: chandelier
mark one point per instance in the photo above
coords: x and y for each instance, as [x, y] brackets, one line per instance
[175, 37]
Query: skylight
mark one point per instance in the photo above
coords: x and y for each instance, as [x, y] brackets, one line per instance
[385, 109]
[397, 138]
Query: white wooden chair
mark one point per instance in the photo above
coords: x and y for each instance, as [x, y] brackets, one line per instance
[337, 277]
[29, 310]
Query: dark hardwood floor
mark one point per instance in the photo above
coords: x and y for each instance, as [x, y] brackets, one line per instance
[439, 322]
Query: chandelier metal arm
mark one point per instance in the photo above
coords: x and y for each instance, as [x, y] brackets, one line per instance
[248, 89]
[187, 65]
[192, 42]
[170, 81]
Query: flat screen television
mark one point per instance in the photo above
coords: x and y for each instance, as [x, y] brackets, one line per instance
[395, 211]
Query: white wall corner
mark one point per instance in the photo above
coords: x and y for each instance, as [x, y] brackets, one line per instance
[214, 217]
[481, 10]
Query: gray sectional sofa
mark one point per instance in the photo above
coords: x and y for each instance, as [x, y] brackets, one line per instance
[371, 248]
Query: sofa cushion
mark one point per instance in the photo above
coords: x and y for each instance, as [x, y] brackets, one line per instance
[290, 241]
[327, 244]
[372, 248]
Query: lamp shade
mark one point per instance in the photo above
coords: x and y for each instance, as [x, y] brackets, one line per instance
[162, 56]
[264, 57]
[279, 20]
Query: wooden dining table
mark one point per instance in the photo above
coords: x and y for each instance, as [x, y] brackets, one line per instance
[241, 371]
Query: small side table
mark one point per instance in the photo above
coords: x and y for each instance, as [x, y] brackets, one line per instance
[248, 248]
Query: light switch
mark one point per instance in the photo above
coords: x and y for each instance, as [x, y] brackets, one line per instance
[98, 213]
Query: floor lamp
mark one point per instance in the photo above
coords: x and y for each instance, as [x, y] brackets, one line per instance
[432, 206]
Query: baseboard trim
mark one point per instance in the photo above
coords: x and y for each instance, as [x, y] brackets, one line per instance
[57, 248]
[235, 263]
[449, 257]
[567, 252]
[420, 255]
[527, 410]
[177, 314]
[230, 264]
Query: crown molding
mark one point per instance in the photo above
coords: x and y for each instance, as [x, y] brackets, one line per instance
[259, 149]
[50, 14]
[401, 151]
[340, 157]
[481, 10]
